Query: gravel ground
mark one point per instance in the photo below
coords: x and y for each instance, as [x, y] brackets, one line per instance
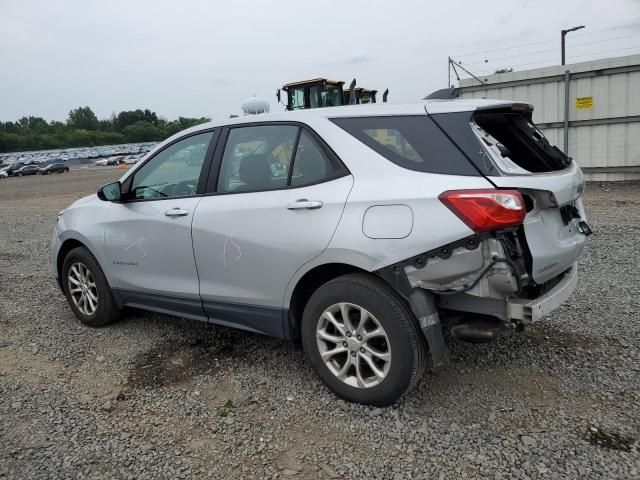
[156, 396]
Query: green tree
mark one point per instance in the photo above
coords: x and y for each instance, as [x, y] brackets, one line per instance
[141, 132]
[129, 117]
[82, 117]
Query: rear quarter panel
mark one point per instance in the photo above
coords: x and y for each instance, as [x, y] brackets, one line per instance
[377, 181]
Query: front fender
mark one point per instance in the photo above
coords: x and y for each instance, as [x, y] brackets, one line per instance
[82, 223]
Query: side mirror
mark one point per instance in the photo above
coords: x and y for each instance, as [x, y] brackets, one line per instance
[111, 192]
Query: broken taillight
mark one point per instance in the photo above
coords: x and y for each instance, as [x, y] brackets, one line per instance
[484, 210]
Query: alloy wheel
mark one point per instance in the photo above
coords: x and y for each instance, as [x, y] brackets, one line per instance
[82, 288]
[353, 345]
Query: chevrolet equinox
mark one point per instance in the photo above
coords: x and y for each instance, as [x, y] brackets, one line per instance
[354, 230]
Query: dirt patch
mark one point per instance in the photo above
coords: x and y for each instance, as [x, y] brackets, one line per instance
[563, 339]
[167, 364]
[610, 440]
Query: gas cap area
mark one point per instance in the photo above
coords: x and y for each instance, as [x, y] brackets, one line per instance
[387, 221]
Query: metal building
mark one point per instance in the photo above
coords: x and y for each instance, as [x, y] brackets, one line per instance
[603, 121]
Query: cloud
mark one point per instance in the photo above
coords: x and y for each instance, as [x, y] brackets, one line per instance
[194, 58]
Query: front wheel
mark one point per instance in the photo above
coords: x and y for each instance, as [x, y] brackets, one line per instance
[362, 340]
[87, 290]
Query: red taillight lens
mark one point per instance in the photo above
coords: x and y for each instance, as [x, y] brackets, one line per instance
[484, 210]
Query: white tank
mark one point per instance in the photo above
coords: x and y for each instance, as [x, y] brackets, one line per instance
[255, 106]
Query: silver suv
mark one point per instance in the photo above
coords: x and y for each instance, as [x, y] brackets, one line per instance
[354, 230]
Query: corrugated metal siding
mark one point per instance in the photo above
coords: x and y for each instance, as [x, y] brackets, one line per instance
[614, 95]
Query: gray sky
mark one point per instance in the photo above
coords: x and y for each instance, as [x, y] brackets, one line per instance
[203, 58]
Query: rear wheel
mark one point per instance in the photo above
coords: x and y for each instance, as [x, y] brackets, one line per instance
[362, 340]
[87, 290]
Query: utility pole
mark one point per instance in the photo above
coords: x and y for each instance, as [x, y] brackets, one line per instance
[563, 33]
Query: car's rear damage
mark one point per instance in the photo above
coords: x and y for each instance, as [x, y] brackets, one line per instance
[530, 230]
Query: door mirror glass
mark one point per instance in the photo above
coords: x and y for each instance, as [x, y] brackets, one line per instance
[110, 192]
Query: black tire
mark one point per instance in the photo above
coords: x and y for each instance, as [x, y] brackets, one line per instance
[107, 311]
[406, 341]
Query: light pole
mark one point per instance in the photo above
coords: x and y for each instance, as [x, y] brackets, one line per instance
[564, 34]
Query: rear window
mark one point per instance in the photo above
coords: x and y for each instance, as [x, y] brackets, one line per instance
[516, 140]
[413, 142]
[502, 137]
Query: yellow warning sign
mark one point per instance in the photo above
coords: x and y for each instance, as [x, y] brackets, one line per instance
[584, 103]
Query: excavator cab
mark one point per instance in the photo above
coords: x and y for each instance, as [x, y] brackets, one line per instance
[315, 93]
[321, 92]
[362, 95]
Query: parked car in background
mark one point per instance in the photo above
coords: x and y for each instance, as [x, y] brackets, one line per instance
[351, 229]
[132, 159]
[54, 168]
[26, 170]
[3, 174]
[11, 169]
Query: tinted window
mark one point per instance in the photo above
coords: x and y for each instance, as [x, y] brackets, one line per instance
[413, 142]
[257, 158]
[458, 127]
[174, 172]
[310, 165]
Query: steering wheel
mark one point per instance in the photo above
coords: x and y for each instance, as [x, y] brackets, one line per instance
[185, 188]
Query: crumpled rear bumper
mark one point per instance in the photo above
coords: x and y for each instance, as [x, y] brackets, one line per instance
[529, 311]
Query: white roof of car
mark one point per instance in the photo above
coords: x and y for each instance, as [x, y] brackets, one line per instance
[371, 109]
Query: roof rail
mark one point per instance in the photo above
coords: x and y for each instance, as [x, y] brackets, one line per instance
[443, 94]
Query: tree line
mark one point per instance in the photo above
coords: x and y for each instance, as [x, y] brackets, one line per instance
[83, 129]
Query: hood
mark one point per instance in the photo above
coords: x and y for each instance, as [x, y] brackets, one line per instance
[88, 198]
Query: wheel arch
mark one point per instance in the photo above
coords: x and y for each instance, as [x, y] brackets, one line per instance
[66, 246]
[308, 283]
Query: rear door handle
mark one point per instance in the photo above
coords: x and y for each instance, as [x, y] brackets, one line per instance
[176, 212]
[304, 204]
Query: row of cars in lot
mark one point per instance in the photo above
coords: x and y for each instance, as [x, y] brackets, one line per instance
[20, 170]
[75, 155]
[58, 161]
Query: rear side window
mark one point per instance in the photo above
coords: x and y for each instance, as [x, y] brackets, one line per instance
[414, 142]
[311, 165]
[273, 157]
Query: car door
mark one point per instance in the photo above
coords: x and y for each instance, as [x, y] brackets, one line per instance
[148, 236]
[274, 205]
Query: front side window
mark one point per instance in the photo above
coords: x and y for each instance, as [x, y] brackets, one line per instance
[174, 172]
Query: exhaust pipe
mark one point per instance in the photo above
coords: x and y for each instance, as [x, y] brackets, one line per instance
[478, 330]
